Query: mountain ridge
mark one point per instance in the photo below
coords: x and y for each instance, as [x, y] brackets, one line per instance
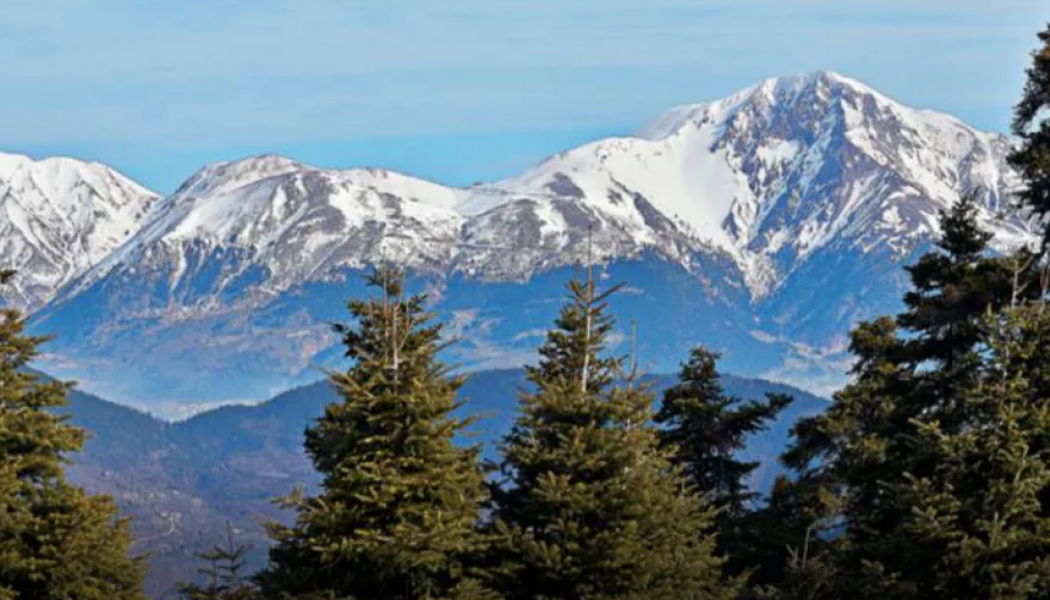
[772, 217]
[738, 221]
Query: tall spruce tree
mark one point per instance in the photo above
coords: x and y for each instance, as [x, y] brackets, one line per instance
[56, 541]
[593, 507]
[976, 519]
[1032, 157]
[952, 288]
[705, 429]
[863, 451]
[401, 501]
[224, 573]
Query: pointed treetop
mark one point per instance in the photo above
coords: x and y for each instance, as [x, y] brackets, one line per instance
[574, 349]
[1036, 95]
[389, 279]
[399, 500]
[706, 429]
[1032, 125]
[592, 507]
[961, 236]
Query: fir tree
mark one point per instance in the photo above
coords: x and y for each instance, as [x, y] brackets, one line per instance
[975, 522]
[948, 297]
[952, 288]
[594, 509]
[864, 451]
[704, 430]
[398, 513]
[789, 544]
[1032, 158]
[224, 573]
[847, 455]
[56, 541]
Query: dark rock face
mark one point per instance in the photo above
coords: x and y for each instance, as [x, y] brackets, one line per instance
[562, 185]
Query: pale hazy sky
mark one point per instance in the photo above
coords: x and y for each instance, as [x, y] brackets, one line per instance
[458, 90]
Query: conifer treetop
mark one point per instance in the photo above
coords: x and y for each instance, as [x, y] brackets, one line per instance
[593, 507]
[575, 349]
[397, 515]
[1031, 125]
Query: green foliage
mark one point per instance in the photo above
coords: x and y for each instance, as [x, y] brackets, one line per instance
[877, 459]
[977, 517]
[1032, 157]
[786, 540]
[397, 518]
[224, 573]
[704, 431]
[56, 542]
[951, 288]
[593, 507]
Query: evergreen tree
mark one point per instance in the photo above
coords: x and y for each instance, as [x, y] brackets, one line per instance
[863, 451]
[952, 288]
[848, 454]
[1032, 158]
[401, 501]
[224, 573]
[976, 519]
[789, 547]
[56, 541]
[594, 509]
[704, 431]
[948, 295]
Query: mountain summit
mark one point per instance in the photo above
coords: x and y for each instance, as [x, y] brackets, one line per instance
[59, 217]
[791, 165]
[777, 216]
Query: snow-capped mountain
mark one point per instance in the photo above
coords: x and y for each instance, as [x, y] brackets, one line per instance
[767, 222]
[780, 170]
[58, 218]
[279, 223]
[296, 223]
[817, 186]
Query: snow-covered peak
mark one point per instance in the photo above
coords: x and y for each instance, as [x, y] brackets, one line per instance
[59, 217]
[56, 179]
[292, 221]
[817, 88]
[245, 202]
[830, 160]
[767, 92]
[777, 171]
[764, 178]
[224, 176]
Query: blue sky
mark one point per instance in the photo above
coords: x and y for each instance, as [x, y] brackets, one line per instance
[458, 90]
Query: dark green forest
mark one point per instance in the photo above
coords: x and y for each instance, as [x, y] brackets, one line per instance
[927, 476]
